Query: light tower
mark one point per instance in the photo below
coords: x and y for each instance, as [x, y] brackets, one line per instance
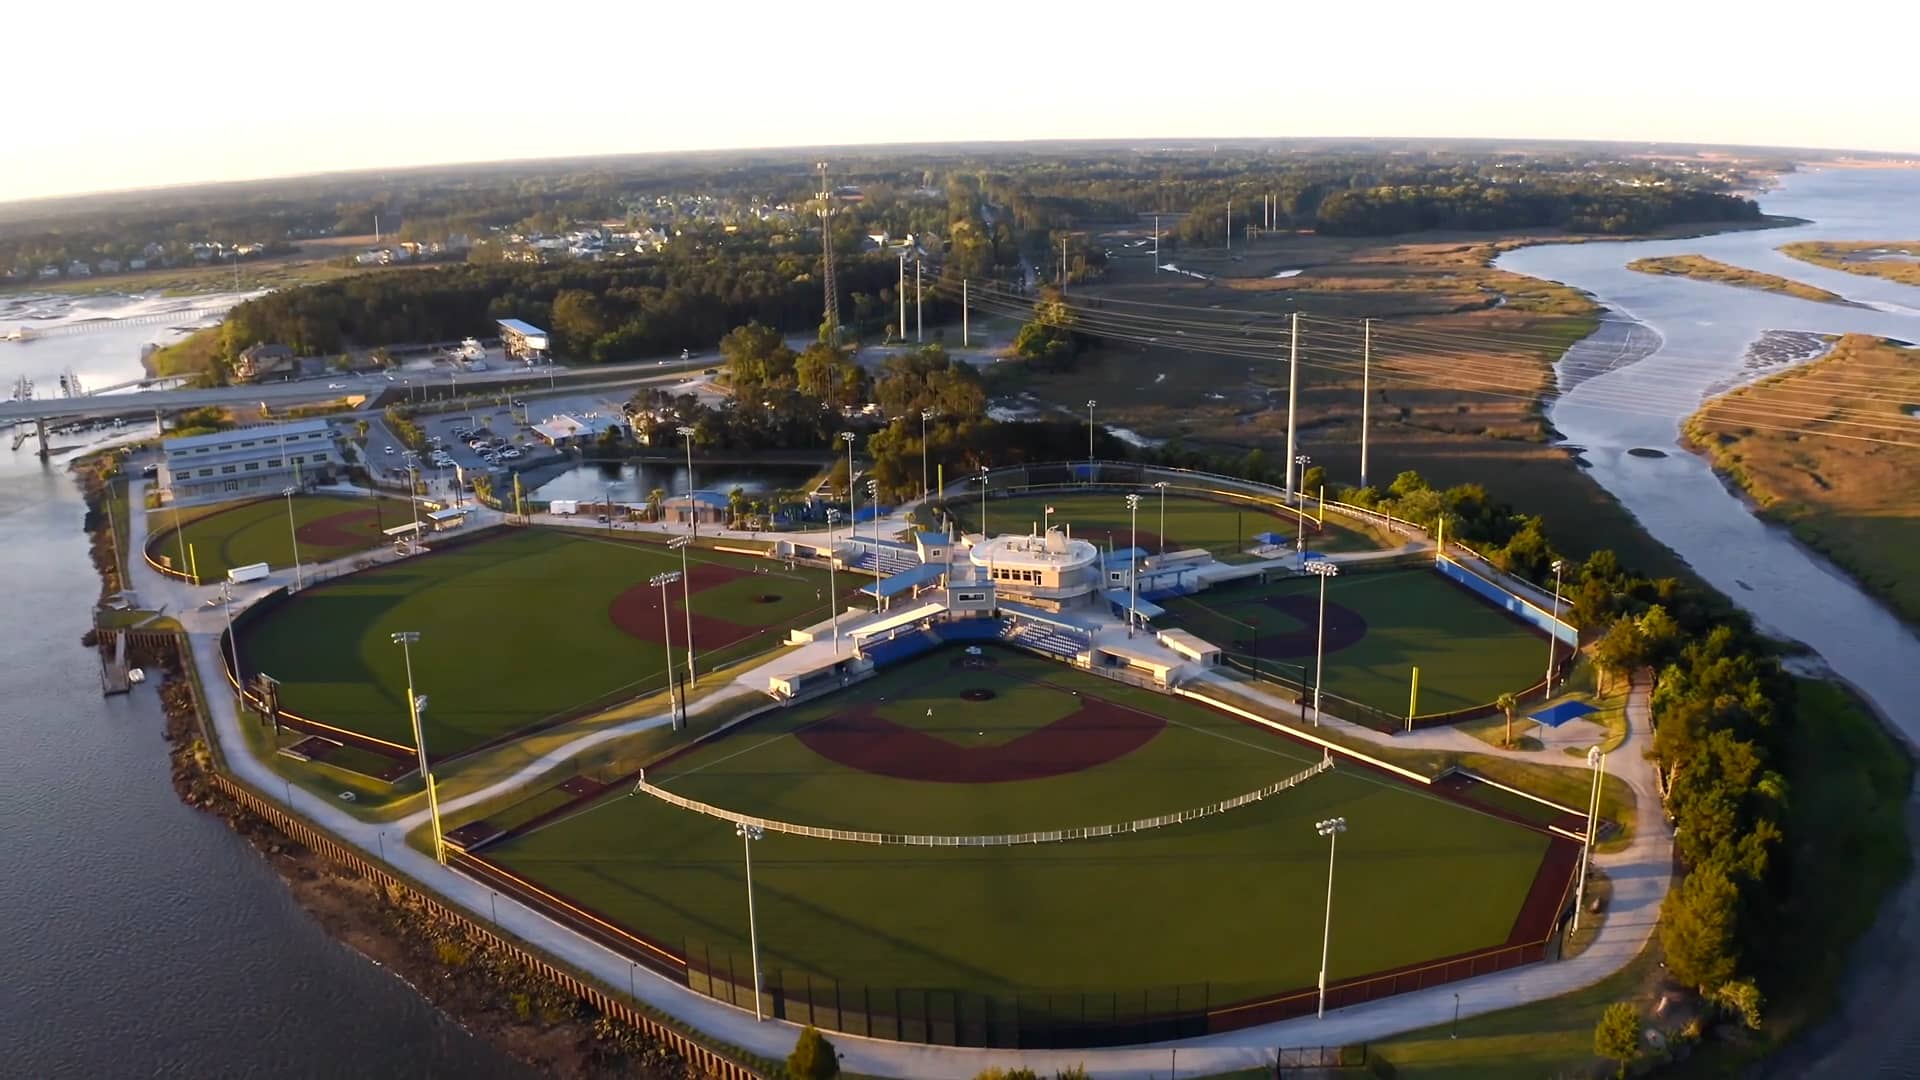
[831, 317]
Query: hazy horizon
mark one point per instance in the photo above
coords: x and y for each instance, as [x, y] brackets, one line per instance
[207, 93]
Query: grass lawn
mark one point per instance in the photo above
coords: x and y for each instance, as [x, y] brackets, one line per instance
[221, 538]
[1468, 652]
[515, 629]
[1224, 528]
[1231, 901]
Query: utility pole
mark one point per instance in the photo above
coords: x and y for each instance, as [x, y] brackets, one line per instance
[1229, 224]
[1063, 262]
[902, 290]
[1293, 397]
[919, 323]
[965, 341]
[1366, 390]
[1156, 243]
[831, 317]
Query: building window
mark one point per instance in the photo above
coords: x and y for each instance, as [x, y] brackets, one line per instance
[226, 469]
[298, 459]
[206, 472]
[273, 463]
[230, 485]
[253, 466]
[248, 443]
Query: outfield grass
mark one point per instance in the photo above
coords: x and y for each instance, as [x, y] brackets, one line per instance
[1224, 528]
[514, 629]
[1232, 901]
[1468, 652]
[221, 538]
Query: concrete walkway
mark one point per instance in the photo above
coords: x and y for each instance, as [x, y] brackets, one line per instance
[1640, 874]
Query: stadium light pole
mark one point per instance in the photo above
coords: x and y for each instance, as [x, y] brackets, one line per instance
[748, 834]
[1133, 563]
[1598, 763]
[686, 598]
[1090, 404]
[693, 508]
[417, 704]
[873, 500]
[1331, 828]
[663, 579]
[925, 415]
[1301, 461]
[233, 643]
[833, 591]
[1162, 485]
[1551, 640]
[293, 537]
[848, 437]
[1323, 569]
[983, 502]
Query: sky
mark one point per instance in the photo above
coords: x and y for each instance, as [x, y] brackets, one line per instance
[115, 94]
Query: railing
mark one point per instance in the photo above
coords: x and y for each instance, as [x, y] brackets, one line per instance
[1084, 832]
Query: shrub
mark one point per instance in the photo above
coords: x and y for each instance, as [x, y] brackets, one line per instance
[813, 1057]
[1617, 1036]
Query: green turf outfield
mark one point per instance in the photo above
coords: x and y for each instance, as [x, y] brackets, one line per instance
[1224, 528]
[514, 629]
[1468, 652]
[259, 532]
[1234, 900]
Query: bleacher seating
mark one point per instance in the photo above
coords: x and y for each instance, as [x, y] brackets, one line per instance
[1044, 637]
[899, 647]
[884, 560]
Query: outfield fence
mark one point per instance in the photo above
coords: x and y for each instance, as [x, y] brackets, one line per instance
[1045, 836]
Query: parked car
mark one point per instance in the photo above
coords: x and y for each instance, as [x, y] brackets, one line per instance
[510, 453]
[388, 449]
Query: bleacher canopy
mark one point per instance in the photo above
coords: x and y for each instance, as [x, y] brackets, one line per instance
[1555, 715]
[905, 581]
[1271, 538]
[1122, 557]
[1142, 606]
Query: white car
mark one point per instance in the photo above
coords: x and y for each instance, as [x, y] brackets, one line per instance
[336, 386]
[389, 450]
[509, 454]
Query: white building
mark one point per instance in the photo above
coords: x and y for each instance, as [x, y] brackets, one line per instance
[249, 462]
[1049, 571]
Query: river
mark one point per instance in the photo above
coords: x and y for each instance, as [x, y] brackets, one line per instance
[142, 937]
[1669, 343]
[1700, 336]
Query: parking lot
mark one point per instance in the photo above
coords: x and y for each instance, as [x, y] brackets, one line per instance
[488, 421]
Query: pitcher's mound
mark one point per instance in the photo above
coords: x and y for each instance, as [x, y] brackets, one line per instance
[767, 598]
[978, 693]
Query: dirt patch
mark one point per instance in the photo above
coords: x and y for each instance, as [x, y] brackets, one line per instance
[349, 528]
[1345, 628]
[1099, 732]
[978, 693]
[637, 611]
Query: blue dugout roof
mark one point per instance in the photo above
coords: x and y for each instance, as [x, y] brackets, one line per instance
[1142, 606]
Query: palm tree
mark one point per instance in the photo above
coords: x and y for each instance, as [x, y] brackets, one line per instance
[657, 502]
[1506, 702]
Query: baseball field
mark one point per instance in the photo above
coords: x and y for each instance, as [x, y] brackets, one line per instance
[1224, 528]
[521, 627]
[1379, 626]
[1227, 907]
[325, 526]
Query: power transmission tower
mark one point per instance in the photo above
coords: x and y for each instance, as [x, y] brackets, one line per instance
[832, 314]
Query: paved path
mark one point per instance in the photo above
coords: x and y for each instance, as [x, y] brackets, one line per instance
[1640, 873]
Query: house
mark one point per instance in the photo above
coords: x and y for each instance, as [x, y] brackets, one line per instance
[108, 266]
[703, 507]
[49, 272]
[76, 268]
[259, 362]
[249, 461]
[136, 264]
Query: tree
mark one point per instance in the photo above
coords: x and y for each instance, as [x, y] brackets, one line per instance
[578, 320]
[1506, 702]
[1698, 922]
[813, 1057]
[657, 502]
[1313, 480]
[1743, 999]
[1617, 1036]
